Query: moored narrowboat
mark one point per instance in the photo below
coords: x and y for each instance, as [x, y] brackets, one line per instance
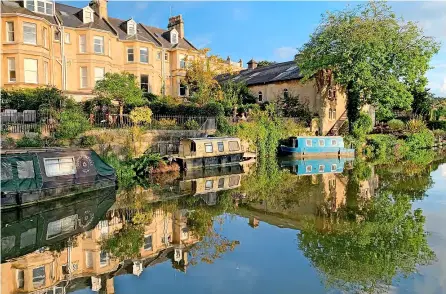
[35, 175]
[316, 146]
[314, 166]
[207, 152]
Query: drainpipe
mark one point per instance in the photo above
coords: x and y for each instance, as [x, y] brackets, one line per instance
[64, 62]
[163, 72]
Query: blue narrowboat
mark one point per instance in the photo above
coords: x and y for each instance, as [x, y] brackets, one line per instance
[316, 146]
[314, 166]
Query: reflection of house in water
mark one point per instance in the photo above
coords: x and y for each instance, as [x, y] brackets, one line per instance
[324, 191]
[207, 182]
[82, 263]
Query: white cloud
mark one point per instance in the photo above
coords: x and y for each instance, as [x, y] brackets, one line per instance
[284, 53]
[202, 41]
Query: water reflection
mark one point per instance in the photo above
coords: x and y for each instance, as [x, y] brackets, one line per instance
[354, 223]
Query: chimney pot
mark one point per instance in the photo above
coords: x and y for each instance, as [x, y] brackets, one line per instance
[252, 64]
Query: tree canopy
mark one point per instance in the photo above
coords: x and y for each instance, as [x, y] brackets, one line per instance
[265, 63]
[374, 55]
[121, 87]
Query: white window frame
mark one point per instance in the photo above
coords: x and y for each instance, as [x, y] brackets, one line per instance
[11, 68]
[321, 142]
[321, 168]
[30, 25]
[334, 143]
[99, 41]
[231, 147]
[88, 15]
[103, 263]
[174, 38]
[67, 38]
[308, 142]
[65, 173]
[82, 43]
[99, 77]
[28, 71]
[209, 184]
[222, 145]
[71, 220]
[206, 145]
[83, 84]
[46, 73]
[144, 245]
[260, 96]
[20, 285]
[334, 167]
[182, 61]
[131, 28]
[10, 31]
[40, 284]
[33, 5]
[146, 54]
[309, 168]
[132, 53]
[141, 83]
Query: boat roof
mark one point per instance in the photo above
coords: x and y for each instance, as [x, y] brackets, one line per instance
[212, 138]
[318, 137]
[41, 150]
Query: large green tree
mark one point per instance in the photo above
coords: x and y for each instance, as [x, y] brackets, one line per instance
[374, 55]
[121, 87]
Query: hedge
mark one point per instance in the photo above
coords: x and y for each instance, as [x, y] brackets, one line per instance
[437, 125]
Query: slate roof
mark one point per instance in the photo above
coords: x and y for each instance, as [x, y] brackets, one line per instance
[276, 72]
[70, 16]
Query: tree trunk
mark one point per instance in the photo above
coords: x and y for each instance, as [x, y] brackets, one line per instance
[121, 111]
[353, 104]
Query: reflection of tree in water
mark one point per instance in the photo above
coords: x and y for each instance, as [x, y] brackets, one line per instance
[207, 222]
[368, 242]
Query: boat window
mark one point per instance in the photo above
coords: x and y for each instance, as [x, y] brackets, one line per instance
[59, 166]
[209, 184]
[6, 171]
[333, 167]
[208, 147]
[25, 169]
[334, 142]
[308, 168]
[38, 276]
[61, 226]
[28, 238]
[234, 180]
[221, 147]
[322, 143]
[20, 279]
[308, 143]
[221, 183]
[233, 146]
[8, 243]
[103, 257]
[321, 168]
[193, 147]
[148, 242]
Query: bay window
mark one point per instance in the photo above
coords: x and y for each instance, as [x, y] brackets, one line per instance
[144, 55]
[30, 66]
[98, 45]
[29, 33]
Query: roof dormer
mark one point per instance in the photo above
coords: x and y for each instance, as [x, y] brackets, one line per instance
[131, 27]
[173, 36]
[40, 6]
[87, 14]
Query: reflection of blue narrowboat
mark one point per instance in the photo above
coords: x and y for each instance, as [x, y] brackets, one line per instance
[314, 166]
[317, 146]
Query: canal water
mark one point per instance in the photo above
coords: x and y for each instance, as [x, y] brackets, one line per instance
[278, 226]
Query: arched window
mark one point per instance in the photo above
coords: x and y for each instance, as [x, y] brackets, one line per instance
[285, 93]
[260, 96]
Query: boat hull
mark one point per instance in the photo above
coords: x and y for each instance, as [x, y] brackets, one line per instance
[203, 162]
[316, 152]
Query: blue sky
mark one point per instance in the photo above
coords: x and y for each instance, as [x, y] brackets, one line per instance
[272, 30]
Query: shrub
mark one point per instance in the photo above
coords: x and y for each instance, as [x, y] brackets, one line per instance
[437, 125]
[8, 143]
[422, 139]
[439, 133]
[29, 142]
[396, 124]
[72, 123]
[381, 145]
[166, 124]
[191, 125]
[32, 99]
[362, 126]
[146, 163]
[141, 115]
[87, 141]
[415, 126]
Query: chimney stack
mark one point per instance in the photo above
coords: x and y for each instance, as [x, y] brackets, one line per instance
[177, 23]
[100, 7]
[228, 60]
[252, 64]
[240, 62]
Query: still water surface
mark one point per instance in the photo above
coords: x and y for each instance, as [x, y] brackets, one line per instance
[278, 227]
